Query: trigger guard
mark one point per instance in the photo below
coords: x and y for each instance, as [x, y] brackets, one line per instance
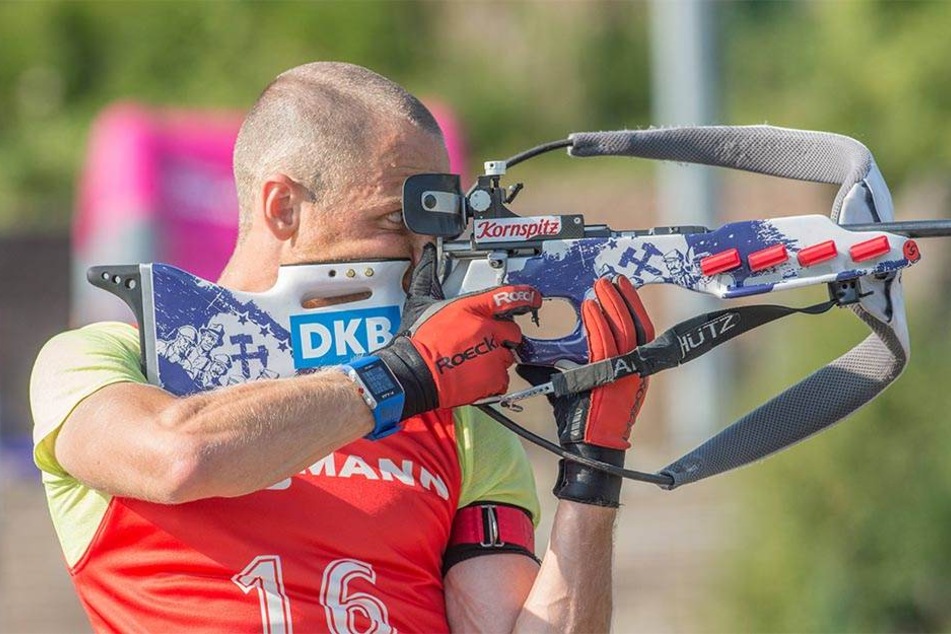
[554, 283]
[565, 353]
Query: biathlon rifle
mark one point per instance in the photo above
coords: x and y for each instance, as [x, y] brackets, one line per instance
[858, 252]
[197, 336]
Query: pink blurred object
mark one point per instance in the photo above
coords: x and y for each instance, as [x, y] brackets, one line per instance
[454, 137]
[157, 186]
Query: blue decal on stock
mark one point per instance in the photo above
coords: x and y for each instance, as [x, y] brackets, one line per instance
[746, 237]
[331, 338]
[570, 273]
[206, 337]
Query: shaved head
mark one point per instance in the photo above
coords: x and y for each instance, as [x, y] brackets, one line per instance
[315, 123]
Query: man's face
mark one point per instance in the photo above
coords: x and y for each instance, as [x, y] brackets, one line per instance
[674, 262]
[365, 221]
[209, 340]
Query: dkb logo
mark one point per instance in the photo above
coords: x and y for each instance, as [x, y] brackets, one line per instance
[330, 338]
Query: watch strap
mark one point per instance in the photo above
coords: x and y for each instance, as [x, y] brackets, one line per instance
[388, 411]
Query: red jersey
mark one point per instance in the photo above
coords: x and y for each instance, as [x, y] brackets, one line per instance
[305, 554]
[354, 543]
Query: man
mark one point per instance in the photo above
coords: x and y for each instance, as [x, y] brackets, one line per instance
[179, 348]
[267, 505]
[217, 367]
[199, 357]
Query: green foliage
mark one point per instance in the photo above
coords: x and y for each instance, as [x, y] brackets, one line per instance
[514, 71]
[62, 62]
[517, 72]
[616, 66]
[873, 70]
[848, 532]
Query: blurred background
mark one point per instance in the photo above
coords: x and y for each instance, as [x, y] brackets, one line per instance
[115, 129]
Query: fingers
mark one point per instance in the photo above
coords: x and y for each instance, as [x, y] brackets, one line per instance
[506, 301]
[492, 373]
[618, 315]
[508, 333]
[601, 344]
[622, 312]
[424, 282]
[642, 321]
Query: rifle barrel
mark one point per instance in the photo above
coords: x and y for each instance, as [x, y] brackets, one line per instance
[910, 228]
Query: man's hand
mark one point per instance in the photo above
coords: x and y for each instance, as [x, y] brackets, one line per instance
[597, 424]
[454, 352]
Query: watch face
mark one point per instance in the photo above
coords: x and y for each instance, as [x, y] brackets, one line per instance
[379, 381]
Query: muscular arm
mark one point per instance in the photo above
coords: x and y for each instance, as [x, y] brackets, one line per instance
[571, 592]
[138, 441]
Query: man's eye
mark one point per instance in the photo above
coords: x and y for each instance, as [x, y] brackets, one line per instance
[395, 218]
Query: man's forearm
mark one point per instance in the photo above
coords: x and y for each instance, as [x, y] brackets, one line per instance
[138, 441]
[572, 592]
[252, 435]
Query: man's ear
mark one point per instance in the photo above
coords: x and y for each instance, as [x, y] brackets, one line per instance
[283, 197]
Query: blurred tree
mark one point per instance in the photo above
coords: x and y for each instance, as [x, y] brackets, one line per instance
[61, 62]
[873, 70]
[849, 532]
[616, 67]
[519, 73]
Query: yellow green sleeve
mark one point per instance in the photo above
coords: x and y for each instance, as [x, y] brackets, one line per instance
[494, 465]
[71, 367]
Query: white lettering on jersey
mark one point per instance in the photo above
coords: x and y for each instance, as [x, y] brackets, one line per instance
[388, 471]
[324, 465]
[428, 481]
[407, 473]
[355, 464]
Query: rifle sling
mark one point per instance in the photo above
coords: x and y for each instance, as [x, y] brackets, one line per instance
[684, 342]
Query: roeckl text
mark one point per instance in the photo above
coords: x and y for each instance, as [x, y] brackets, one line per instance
[488, 344]
[513, 297]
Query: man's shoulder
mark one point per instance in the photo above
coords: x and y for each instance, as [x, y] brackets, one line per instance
[494, 464]
[98, 334]
[106, 345]
[76, 363]
[102, 339]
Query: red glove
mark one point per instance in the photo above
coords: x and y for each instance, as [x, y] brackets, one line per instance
[615, 324]
[454, 352]
[597, 424]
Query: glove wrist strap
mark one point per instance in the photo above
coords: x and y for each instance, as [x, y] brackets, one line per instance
[409, 368]
[579, 483]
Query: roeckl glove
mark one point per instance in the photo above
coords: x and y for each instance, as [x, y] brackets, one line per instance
[597, 424]
[453, 352]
